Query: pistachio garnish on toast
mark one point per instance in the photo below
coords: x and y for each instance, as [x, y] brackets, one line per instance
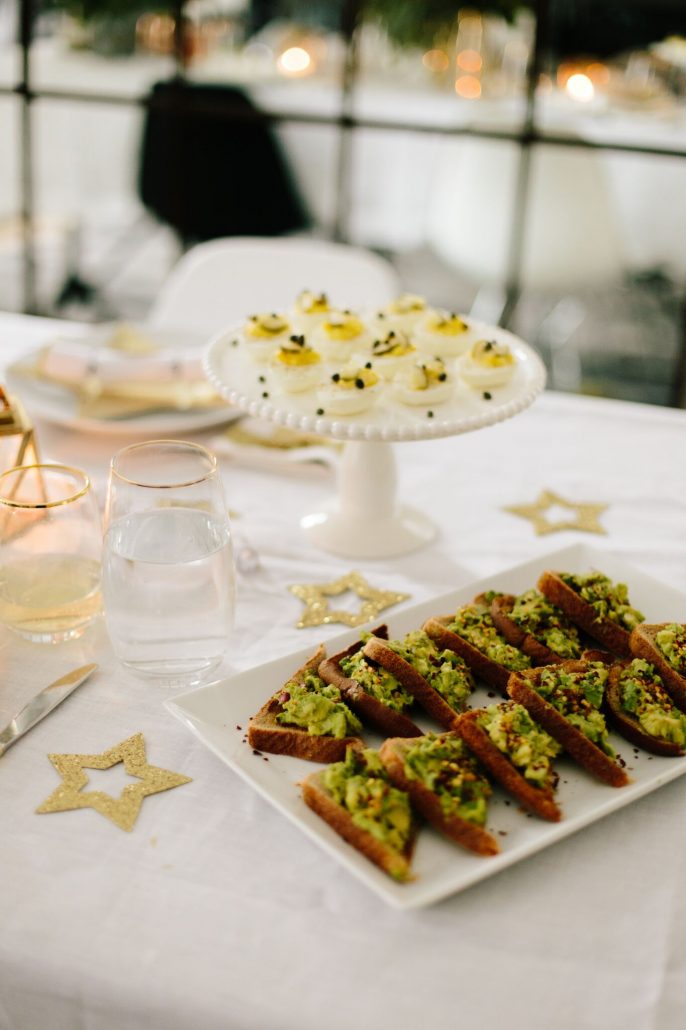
[306, 718]
[565, 700]
[357, 799]
[642, 710]
[445, 784]
[517, 752]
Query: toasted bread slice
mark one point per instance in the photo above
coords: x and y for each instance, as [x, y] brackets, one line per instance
[643, 645]
[322, 801]
[469, 835]
[522, 688]
[626, 724]
[490, 672]
[540, 653]
[580, 612]
[429, 699]
[266, 733]
[368, 708]
[537, 800]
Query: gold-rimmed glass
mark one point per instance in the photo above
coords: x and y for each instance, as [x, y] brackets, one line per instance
[50, 545]
[168, 573]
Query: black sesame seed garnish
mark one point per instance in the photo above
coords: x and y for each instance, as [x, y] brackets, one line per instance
[380, 314]
[265, 393]
[442, 377]
[320, 411]
[489, 345]
[429, 414]
[234, 343]
[487, 395]
[261, 379]
[346, 311]
[238, 727]
[336, 377]
[391, 335]
[359, 383]
[368, 364]
[258, 753]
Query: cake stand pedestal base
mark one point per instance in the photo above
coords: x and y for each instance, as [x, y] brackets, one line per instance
[366, 521]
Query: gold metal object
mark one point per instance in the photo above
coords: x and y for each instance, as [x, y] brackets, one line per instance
[584, 516]
[122, 811]
[318, 611]
[18, 444]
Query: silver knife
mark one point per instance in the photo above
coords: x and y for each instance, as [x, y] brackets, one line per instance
[42, 704]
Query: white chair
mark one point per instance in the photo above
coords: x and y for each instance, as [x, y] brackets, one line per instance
[220, 282]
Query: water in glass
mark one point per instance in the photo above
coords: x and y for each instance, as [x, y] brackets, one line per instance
[168, 577]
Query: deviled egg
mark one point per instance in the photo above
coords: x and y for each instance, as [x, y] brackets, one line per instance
[341, 335]
[350, 391]
[297, 367]
[443, 333]
[488, 363]
[392, 352]
[424, 382]
[309, 310]
[264, 333]
[402, 314]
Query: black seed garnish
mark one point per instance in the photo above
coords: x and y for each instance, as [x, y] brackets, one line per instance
[320, 411]
[265, 393]
[359, 383]
[442, 377]
[487, 395]
[238, 727]
[391, 334]
[336, 377]
[234, 343]
[265, 759]
[491, 693]
[368, 364]
[489, 345]
[346, 311]
[258, 753]
[380, 314]
[429, 414]
[261, 379]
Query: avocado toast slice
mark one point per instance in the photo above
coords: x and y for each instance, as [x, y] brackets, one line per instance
[373, 693]
[565, 700]
[516, 752]
[664, 645]
[445, 784]
[440, 680]
[536, 626]
[597, 605]
[357, 799]
[642, 710]
[307, 718]
[472, 634]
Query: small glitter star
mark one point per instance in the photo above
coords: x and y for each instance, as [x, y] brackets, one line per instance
[318, 611]
[123, 810]
[585, 516]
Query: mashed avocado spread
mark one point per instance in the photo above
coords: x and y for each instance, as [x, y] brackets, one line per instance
[360, 785]
[381, 684]
[474, 623]
[672, 643]
[445, 766]
[609, 600]
[528, 746]
[643, 697]
[317, 707]
[445, 671]
[536, 615]
[578, 696]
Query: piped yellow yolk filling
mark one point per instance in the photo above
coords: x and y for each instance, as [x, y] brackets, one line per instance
[490, 354]
[263, 327]
[451, 326]
[343, 329]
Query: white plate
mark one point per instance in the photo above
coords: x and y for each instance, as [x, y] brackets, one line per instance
[218, 714]
[54, 403]
[251, 387]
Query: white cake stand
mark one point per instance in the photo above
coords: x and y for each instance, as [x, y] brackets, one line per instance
[366, 520]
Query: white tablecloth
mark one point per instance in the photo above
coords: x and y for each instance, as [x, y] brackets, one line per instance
[215, 912]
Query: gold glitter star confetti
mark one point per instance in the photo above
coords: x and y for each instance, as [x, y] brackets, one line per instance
[122, 810]
[585, 516]
[318, 611]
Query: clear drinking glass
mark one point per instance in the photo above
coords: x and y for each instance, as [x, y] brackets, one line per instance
[168, 572]
[50, 544]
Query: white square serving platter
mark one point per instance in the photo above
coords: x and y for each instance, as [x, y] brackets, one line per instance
[219, 713]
